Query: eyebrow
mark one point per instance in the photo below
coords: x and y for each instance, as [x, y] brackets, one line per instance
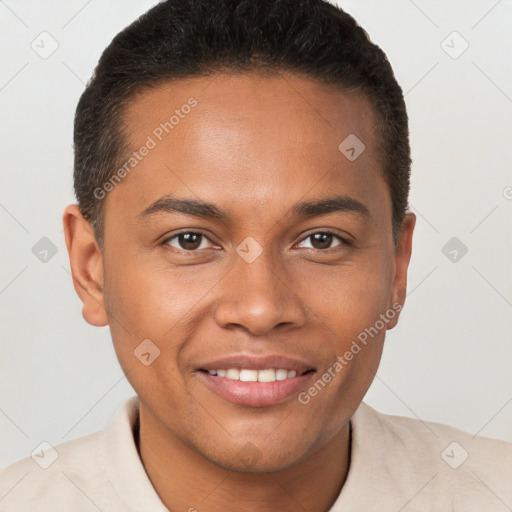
[170, 204]
[330, 205]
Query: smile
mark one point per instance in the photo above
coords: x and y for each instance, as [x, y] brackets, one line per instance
[248, 375]
[255, 388]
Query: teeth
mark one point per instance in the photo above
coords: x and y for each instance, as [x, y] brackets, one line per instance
[233, 373]
[266, 376]
[247, 375]
[281, 374]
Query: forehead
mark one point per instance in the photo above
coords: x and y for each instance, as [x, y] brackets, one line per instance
[244, 98]
[249, 137]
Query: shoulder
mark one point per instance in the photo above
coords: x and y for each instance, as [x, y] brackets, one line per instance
[66, 473]
[453, 463]
[101, 471]
[411, 433]
[76, 475]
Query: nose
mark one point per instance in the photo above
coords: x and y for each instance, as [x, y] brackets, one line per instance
[258, 297]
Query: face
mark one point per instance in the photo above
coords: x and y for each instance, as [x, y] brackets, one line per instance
[245, 239]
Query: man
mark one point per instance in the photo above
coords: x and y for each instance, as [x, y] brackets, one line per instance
[242, 174]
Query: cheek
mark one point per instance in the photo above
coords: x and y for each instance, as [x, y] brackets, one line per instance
[151, 300]
[351, 297]
[348, 303]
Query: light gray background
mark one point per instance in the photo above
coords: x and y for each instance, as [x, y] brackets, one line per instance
[448, 360]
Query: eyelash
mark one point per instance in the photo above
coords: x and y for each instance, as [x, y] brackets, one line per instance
[344, 241]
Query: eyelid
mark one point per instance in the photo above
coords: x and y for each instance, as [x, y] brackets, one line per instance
[195, 231]
[344, 240]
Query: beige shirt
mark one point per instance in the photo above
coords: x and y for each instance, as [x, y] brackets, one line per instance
[397, 464]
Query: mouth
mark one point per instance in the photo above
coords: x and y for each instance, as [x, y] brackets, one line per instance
[251, 375]
[255, 388]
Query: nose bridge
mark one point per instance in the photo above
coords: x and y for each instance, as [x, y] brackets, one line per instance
[255, 293]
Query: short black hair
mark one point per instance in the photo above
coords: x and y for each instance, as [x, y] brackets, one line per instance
[186, 38]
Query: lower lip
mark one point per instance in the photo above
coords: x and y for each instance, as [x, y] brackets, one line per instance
[255, 394]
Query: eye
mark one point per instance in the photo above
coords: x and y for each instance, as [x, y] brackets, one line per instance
[323, 240]
[187, 241]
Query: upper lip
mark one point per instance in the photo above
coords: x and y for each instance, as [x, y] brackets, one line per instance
[252, 362]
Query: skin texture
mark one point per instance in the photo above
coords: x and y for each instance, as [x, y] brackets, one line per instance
[254, 146]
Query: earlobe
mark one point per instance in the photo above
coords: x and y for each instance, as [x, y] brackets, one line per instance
[86, 263]
[402, 258]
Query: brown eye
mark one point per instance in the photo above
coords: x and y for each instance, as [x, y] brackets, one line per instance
[323, 240]
[187, 241]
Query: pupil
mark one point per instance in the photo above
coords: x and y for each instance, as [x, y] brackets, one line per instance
[190, 240]
[324, 240]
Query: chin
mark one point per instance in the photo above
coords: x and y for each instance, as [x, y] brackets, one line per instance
[250, 459]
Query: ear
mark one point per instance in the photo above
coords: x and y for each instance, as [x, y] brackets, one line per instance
[86, 265]
[403, 252]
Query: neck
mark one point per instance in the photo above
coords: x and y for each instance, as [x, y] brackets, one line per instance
[185, 480]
